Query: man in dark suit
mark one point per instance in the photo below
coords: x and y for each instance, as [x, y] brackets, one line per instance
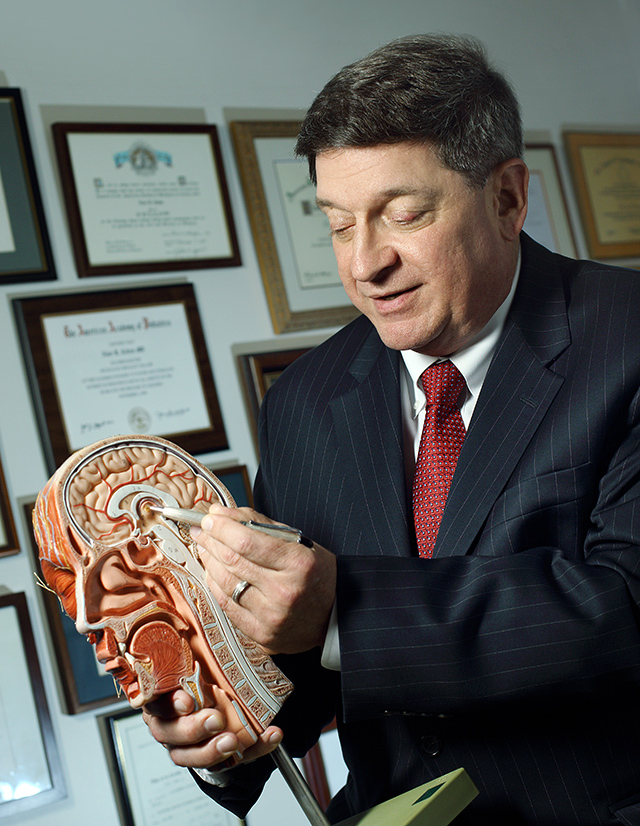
[513, 649]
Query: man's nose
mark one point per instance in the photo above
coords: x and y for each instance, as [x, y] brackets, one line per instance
[372, 254]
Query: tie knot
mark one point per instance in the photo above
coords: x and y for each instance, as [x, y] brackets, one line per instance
[442, 384]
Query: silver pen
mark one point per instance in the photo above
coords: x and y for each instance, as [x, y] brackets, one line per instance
[191, 517]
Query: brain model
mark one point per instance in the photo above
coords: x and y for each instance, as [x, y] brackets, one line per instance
[132, 580]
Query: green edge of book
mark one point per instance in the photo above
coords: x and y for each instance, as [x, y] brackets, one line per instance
[435, 803]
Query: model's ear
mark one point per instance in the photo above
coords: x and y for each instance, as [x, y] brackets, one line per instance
[510, 182]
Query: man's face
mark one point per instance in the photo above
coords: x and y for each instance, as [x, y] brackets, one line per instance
[424, 256]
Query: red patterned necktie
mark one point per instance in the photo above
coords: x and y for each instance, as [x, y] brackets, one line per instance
[442, 436]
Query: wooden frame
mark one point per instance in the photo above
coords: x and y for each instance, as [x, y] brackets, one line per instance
[8, 536]
[145, 197]
[606, 174]
[289, 232]
[258, 371]
[30, 773]
[236, 479]
[148, 787]
[25, 251]
[94, 372]
[82, 682]
[548, 218]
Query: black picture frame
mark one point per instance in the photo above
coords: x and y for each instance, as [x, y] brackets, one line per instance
[32, 311]
[99, 227]
[236, 480]
[25, 249]
[24, 713]
[8, 537]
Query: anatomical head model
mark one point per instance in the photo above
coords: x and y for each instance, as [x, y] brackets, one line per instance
[132, 581]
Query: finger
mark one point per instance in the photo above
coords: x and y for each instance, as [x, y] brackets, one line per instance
[238, 542]
[269, 740]
[173, 704]
[244, 514]
[227, 567]
[196, 740]
[219, 751]
[190, 729]
[225, 750]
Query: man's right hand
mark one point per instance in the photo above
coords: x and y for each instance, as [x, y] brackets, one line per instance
[199, 739]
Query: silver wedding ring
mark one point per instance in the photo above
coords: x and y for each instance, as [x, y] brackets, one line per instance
[239, 590]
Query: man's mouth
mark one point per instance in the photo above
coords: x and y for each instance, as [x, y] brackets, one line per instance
[392, 296]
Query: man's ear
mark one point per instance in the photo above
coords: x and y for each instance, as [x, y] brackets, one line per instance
[510, 196]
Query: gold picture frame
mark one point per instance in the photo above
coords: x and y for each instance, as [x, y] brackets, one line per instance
[547, 219]
[260, 363]
[606, 174]
[291, 239]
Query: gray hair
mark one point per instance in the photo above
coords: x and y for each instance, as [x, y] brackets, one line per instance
[436, 89]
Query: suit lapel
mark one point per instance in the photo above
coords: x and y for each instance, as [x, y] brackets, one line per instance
[516, 394]
[368, 426]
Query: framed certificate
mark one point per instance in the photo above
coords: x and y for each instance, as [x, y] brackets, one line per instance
[8, 536]
[145, 197]
[130, 361]
[30, 773]
[149, 788]
[82, 681]
[290, 233]
[547, 218]
[606, 174]
[25, 252]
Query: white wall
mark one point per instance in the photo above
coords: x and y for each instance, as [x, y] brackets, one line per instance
[573, 62]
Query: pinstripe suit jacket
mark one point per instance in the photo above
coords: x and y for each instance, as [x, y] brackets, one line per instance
[515, 651]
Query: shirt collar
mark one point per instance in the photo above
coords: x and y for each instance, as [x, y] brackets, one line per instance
[472, 360]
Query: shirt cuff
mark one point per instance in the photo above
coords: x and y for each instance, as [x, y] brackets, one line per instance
[331, 648]
[214, 778]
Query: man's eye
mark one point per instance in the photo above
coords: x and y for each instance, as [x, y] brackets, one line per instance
[408, 218]
[340, 232]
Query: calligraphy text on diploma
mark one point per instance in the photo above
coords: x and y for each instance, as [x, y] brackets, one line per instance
[613, 181]
[141, 201]
[129, 370]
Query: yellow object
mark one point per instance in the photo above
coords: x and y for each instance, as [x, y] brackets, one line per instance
[435, 803]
